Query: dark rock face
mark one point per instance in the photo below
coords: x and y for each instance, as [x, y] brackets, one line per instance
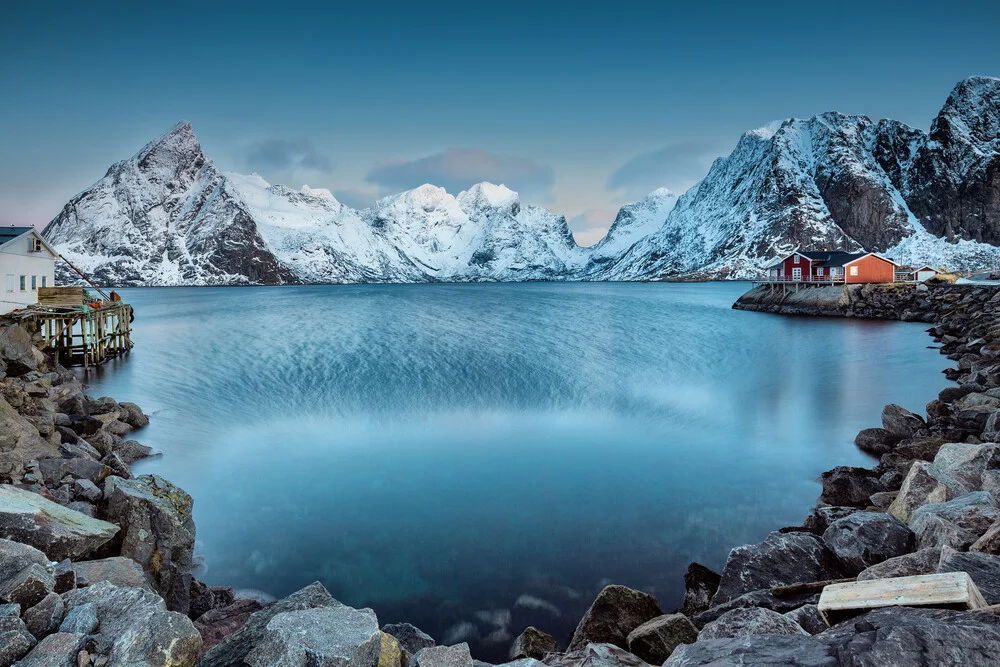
[323, 636]
[762, 598]
[532, 643]
[866, 538]
[594, 655]
[750, 621]
[15, 640]
[700, 585]
[655, 640]
[217, 624]
[443, 656]
[615, 613]
[410, 637]
[57, 650]
[781, 559]
[157, 532]
[924, 561]
[877, 441]
[850, 487]
[983, 568]
[117, 570]
[900, 422]
[807, 616]
[58, 531]
[956, 523]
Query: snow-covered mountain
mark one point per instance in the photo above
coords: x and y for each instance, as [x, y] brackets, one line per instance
[168, 216]
[839, 182]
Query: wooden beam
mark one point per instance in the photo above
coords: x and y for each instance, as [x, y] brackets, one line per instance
[951, 590]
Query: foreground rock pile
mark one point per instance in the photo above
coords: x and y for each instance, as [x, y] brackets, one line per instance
[96, 565]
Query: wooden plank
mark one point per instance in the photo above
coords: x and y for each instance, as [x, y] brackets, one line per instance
[953, 590]
[60, 296]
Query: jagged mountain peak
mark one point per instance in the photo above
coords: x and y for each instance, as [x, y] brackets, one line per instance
[491, 198]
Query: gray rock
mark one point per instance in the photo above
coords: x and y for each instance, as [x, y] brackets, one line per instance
[130, 451]
[974, 410]
[656, 639]
[20, 441]
[901, 422]
[964, 468]
[17, 352]
[81, 619]
[761, 598]
[442, 656]
[157, 532]
[532, 643]
[990, 541]
[594, 655]
[983, 568]
[45, 616]
[59, 532]
[136, 627]
[866, 538]
[217, 624]
[28, 587]
[782, 559]
[821, 517]
[133, 415]
[924, 561]
[700, 585]
[924, 449]
[410, 637]
[205, 598]
[877, 441]
[65, 576]
[16, 556]
[919, 488]
[15, 640]
[10, 609]
[849, 487]
[761, 651]
[86, 489]
[332, 636]
[748, 622]
[234, 649]
[991, 430]
[83, 507]
[809, 618]
[118, 570]
[617, 611]
[58, 650]
[956, 523]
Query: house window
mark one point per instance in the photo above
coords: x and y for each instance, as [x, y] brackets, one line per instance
[795, 260]
[854, 270]
[796, 274]
[10, 282]
[45, 281]
[24, 283]
[34, 282]
[819, 270]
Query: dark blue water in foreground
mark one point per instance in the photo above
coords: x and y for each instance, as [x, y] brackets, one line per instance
[439, 451]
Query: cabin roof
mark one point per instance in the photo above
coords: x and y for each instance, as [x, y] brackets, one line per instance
[11, 233]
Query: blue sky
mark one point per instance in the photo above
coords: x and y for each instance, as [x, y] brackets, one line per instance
[581, 108]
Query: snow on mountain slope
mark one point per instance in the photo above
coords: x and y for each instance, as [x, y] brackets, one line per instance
[634, 221]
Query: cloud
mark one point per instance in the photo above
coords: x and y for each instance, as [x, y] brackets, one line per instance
[458, 168]
[677, 166]
[287, 155]
[355, 198]
[591, 226]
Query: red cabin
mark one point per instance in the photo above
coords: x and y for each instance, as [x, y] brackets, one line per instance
[832, 267]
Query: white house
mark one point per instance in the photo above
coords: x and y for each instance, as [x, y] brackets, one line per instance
[27, 262]
[925, 273]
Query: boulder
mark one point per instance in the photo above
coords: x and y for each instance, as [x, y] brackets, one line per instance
[58, 650]
[821, 517]
[990, 541]
[390, 654]
[900, 422]
[781, 559]
[81, 619]
[532, 643]
[27, 587]
[233, 649]
[56, 530]
[972, 411]
[849, 486]
[217, 624]
[758, 651]
[866, 538]
[656, 639]
[136, 627]
[15, 640]
[335, 636]
[20, 441]
[130, 451]
[410, 637]
[617, 611]
[205, 598]
[133, 415]
[87, 490]
[748, 622]
[117, 570]
[924, 449]
[877, 441]
[964, 468]
[983, 568]
[45, 616]
[157, 532]
[761, 598]
[809, 618]
[65, 576]
[442, 656]
[919, 488]
[700, 585]
[594, 655]
[924, 561]
[955, 523]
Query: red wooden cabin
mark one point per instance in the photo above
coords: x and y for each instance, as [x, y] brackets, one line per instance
[832, 267]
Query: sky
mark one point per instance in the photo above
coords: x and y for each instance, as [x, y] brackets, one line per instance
[581, 108]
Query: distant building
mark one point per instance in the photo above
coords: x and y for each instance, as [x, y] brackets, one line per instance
[27, 262]
[925, 273]
[832, 267]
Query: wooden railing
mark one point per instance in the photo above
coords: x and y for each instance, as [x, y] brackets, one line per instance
[803, 279]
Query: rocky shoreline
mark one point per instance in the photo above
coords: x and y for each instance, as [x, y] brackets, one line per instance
[96, 564]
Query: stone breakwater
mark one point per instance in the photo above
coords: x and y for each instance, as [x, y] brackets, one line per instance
[96, 564]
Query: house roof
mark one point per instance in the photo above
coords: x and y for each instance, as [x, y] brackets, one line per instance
[8, 234]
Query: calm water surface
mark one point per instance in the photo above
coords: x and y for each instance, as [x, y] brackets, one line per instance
[473, 458]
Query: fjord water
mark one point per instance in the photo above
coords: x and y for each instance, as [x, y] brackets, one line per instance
[439, 451]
